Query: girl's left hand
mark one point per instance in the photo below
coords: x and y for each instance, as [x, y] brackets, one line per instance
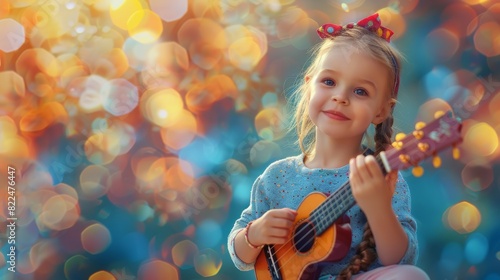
[371, 189]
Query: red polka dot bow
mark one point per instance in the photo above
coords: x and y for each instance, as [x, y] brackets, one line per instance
[371, 23]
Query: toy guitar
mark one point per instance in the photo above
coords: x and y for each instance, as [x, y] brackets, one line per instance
[314, 240]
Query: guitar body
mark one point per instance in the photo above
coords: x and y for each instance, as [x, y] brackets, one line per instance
[301, 257]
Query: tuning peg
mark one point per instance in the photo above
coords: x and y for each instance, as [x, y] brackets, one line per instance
[419, 125]
[423, 146]
[404, 158]
[400, 136]
[438, 114]
[417, 171]
[436, 161]
[456, 152]
[398, 145]
[419, 134]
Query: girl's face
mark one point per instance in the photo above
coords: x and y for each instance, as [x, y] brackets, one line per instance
[349, 90]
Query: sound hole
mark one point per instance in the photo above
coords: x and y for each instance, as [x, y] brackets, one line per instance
[303, 237]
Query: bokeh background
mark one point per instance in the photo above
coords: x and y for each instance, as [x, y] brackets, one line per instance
[136, 128]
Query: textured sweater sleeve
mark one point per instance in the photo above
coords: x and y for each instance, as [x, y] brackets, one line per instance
[401, 204]
[258, 206]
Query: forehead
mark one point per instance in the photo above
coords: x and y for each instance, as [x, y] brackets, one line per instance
[354, 63]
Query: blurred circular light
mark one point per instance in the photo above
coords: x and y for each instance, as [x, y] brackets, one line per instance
[95, 238]
[183, 253]
[207, 262]
[487, 39]
[480, 139]
[102, 275]
[463, 217]
[444, 44]
[122, 10]
[477, 176]
[158, 270]
[476, 248]
[145, 26]
[12, 35]
[169, 10]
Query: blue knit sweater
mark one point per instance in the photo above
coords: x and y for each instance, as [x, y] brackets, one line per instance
[286, 182]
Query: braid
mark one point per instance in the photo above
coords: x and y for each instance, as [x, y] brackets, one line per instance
[366, 253]
[383, 134]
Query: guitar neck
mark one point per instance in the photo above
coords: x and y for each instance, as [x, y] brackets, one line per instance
[338, 203]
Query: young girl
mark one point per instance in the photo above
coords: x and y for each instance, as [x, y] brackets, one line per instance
[351, 83]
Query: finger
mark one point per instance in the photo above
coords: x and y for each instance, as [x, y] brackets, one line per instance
[283, 223]
[279, 232]
[372, 166]
[277, 240]
[363, 172]
[285, 213]
[353, 172]
[391, 180]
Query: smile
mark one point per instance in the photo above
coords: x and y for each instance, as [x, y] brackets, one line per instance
[336, 115]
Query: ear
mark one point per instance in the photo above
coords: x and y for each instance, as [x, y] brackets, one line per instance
[385, 110]
[307, 78]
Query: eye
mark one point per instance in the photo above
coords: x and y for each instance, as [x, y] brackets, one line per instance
[328, 82]
[360, 92]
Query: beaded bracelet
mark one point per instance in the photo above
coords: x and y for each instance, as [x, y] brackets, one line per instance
[246, 238]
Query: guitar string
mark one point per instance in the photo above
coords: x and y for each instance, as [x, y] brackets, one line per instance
[342, 192]
[288, 251]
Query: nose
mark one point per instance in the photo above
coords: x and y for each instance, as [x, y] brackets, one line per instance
[340, 96]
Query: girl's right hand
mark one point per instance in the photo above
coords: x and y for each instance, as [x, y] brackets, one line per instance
[273, 227]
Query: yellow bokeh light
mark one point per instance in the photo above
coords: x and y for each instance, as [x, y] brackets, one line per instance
[201, 97]
[179, 176]
[487, 39]
[475, 2]
[480, 139]
[97, 148]
[393, 21]
[207, 262]
[181, 133]
[122, 10]
[102, 275]
[158, 270]
[142, 162]
[462, 217]
[428, 109]
[244, 53]
[163, 107]
[40, 118]
[205, 41]
[145, 26]
[270, 124]
[183, 253]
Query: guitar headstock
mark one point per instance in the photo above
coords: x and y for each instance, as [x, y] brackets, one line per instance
[426, 141]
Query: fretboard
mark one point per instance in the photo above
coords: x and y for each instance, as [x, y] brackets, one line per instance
[335, 205]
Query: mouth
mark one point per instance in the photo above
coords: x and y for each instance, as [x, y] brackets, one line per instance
[336, 115]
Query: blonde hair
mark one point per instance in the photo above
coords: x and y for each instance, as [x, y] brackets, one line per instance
[356, 39]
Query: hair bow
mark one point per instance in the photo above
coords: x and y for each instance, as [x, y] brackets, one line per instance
[371, 23]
